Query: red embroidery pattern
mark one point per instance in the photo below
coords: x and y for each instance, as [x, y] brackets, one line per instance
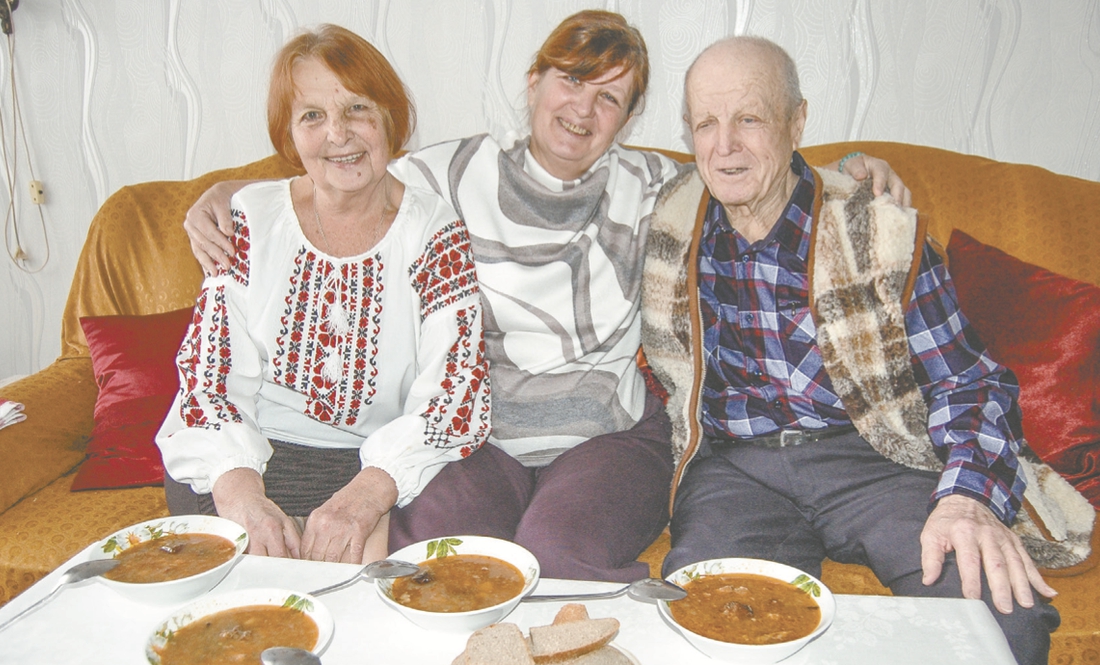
[239, 261]
[444, 272]
[206, 350]
[328, 338]
[462, 411]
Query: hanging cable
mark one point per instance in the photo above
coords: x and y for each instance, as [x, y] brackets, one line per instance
[11, 163]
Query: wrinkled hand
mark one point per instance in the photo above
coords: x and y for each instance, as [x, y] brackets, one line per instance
[980, 540]
[882, 177]
[209, 226]
[239, 496]
[353, 525]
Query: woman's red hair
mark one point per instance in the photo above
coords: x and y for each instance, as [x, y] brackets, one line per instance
[591, 43]
[360, 68]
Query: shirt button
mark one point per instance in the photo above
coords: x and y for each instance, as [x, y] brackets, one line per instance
[744, 258]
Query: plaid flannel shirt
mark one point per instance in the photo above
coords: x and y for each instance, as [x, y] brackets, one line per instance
[764, 371]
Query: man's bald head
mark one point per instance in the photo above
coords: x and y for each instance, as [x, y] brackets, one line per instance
[785, 70]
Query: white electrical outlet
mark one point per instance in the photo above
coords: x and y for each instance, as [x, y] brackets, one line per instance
[38, 195]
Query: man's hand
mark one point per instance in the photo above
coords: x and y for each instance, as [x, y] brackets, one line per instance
[353, 525]
[209, 226]
[239, 496]
[980, 540]
[882, 176]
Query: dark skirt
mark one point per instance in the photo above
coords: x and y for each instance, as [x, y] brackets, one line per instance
[298, 479]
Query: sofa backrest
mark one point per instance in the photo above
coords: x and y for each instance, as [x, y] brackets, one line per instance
[137, 260]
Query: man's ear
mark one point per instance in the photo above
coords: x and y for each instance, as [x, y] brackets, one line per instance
[798, 124]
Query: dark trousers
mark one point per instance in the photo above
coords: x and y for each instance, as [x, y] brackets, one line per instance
[587, 515]
[838, 498]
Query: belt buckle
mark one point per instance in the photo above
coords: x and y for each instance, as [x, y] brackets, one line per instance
[790, 437]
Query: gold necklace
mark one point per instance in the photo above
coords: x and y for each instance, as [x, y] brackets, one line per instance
[378, 224]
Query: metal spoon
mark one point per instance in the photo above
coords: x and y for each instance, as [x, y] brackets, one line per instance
[288, 656]
[650, 588]
[384, 569]
[77, 573]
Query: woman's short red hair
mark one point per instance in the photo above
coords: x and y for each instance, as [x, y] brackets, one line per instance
[360, 68]
[591, 43]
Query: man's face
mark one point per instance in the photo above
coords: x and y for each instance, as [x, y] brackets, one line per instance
[741, 128]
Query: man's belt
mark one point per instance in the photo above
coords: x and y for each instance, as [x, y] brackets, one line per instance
[796, 437]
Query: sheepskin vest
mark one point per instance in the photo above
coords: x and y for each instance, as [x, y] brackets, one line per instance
[864, 258]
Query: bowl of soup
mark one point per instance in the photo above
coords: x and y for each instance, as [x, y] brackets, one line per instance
[464, 583]
[237, 626]
[171, 559]
[748, 610]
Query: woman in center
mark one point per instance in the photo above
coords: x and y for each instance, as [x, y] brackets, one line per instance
[580, 465]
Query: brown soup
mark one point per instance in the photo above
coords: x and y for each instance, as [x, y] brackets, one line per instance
[459, 583]
[171, 557]
[746, 609]
[239, 635]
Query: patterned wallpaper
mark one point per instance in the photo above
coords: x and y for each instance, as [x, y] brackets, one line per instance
[115, 92]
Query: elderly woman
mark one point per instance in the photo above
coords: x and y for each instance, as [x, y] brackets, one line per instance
[581, 464]
[337, 364]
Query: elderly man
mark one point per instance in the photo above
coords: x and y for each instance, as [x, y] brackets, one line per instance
[799, 309]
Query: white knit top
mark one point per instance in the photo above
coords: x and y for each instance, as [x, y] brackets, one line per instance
[560, 268]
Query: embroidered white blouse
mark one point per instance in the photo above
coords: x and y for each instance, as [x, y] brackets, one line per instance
[382, 352]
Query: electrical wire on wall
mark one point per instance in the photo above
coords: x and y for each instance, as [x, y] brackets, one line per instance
[15, 251]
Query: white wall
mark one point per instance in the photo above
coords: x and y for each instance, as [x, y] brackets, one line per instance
[115, 92]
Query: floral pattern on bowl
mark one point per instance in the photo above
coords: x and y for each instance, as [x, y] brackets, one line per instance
[717, 566]
[140, 533]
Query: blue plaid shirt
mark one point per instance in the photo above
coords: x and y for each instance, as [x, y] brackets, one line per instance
[764, 371]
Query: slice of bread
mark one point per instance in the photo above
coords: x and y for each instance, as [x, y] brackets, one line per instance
[498, 644]
[562, 641]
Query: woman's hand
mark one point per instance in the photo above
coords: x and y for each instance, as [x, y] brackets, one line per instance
[882, 176]
[353, 525]
[209, 226]
[239, 496]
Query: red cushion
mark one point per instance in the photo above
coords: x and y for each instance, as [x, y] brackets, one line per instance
[134, 362]
[1046, 328]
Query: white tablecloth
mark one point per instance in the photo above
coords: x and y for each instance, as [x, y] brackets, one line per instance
[89, 623]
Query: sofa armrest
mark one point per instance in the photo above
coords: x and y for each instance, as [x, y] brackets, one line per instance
[59, 402]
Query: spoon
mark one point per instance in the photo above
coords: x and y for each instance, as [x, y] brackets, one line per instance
[288, 656]
[77, 573]
[384, 569]
[649, 588]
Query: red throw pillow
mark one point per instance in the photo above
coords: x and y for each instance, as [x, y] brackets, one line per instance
[134, 362]
[1046, 328]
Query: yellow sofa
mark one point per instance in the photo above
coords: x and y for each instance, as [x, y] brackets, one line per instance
[137, 261]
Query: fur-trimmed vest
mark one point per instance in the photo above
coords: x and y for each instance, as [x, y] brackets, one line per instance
[861, 280]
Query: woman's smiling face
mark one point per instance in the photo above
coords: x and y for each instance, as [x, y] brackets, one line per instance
[339, 135]
[574, 122]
